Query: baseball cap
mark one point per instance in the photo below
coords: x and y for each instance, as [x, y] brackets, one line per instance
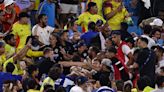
[8, 2]
[81, 80]
[157, 22]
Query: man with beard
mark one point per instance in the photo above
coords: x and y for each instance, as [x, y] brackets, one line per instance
[123, 50]
[10, 46]
[42, 30]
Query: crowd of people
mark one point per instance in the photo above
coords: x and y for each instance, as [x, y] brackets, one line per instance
[81, 46]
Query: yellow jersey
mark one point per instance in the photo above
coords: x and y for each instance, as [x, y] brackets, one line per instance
[49, 81]
[2, 59]
[10, 60]
[99, 4]
[85, 18]
[22, 32]
[31, 53]
[37, 2]
[10, 50]
[33, 90]
[115, 21]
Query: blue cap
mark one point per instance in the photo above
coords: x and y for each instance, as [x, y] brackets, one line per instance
[81, 80]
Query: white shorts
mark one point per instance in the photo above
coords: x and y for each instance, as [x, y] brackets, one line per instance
[69, 8]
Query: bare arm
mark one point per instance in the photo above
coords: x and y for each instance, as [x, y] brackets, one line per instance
[13, 17]
[71, 63]
[22, 52]
[131, 59]
[114, 12]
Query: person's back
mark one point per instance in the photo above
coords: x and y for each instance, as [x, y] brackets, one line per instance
[47, 62]
[88, 36]
[146, 60]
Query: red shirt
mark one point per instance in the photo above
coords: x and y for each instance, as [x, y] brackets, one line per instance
[7, 26]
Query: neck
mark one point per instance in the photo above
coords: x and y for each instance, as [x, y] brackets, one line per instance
[118, 43]
[91, 12]
[53, 45]
[160, 58]
[46, 56]
[33, 76]
[62, 42]
[41, 25]
[20, 22]
[80, 51]
[93, 56]
[83, 87]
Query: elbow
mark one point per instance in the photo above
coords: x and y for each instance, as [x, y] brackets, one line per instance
[109, 16]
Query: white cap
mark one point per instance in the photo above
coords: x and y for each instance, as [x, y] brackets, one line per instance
[157, 22]
[8, 2]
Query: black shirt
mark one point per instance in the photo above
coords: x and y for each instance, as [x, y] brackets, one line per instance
[80, 56]
[44, 66]
[68, 47]
[125, 34]
[146, 60]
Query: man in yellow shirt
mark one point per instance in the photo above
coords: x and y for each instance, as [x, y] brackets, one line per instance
[99, 5]
[53, 74]
[2, 55]
[14, 59]
[115, 13]
[10, 45]
[22, 29]
[89, 16]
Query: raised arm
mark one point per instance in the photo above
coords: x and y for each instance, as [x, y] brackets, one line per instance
[22, 52]
[109, 12]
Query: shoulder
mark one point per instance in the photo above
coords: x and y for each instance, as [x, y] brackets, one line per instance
[84, 14]
[50, 28]
[16, 24]
[35, 27]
